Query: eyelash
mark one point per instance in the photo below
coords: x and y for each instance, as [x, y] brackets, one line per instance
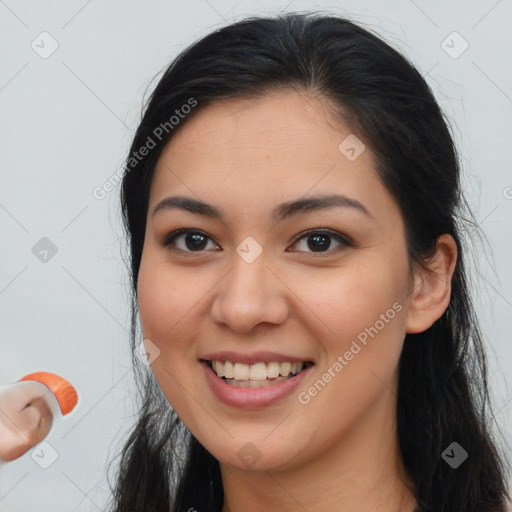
[343, 240]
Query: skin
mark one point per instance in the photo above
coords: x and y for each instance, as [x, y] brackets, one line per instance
[245, 157]
[26, 419]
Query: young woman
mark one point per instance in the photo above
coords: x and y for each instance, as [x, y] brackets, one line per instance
[293, 205]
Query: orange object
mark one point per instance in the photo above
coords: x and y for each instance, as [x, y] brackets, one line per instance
[64, 392]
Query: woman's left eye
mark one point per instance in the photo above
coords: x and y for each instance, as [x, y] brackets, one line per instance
[318, 241]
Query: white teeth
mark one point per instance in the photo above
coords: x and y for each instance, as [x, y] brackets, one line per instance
[285, 368]
[241, 371]
[228, 369]
[255, 372]
[258, 371]
[218, 368]
[272, 370]
[255, 383]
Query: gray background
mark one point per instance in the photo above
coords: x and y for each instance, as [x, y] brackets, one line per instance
[67, 123]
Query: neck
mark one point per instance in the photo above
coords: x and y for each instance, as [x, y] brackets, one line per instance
[363, 471]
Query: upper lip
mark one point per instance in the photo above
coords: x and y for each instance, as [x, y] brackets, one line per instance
[256, 357]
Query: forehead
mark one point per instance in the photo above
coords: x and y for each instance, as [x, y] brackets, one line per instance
[268, 149]
[280, 123]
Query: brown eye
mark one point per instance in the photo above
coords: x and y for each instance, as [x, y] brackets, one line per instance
[318, 241]
[192, 240]
[321, 241]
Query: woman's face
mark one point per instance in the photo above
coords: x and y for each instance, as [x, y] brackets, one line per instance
[253, 282]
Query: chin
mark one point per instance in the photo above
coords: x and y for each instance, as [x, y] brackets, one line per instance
[251, 455]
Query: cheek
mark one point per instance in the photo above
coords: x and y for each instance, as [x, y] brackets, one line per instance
[163, 305]
[172, 302]
[163, 298]
[348, 300]
[362, 335]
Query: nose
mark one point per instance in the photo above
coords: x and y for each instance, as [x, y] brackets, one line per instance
[250, 294]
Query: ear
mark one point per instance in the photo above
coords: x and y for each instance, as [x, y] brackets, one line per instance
[431, 290]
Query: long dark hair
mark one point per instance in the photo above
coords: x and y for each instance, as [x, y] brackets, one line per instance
[443, 394]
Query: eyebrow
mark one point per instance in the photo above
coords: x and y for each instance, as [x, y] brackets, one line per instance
[281, 212]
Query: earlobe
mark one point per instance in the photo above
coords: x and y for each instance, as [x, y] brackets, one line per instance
[432, 289]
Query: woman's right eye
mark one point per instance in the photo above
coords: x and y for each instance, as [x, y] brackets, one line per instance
[191, 240]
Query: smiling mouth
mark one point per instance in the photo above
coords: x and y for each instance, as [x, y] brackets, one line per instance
[256, 375]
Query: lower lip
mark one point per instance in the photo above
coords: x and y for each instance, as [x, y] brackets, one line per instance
[251, 398]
